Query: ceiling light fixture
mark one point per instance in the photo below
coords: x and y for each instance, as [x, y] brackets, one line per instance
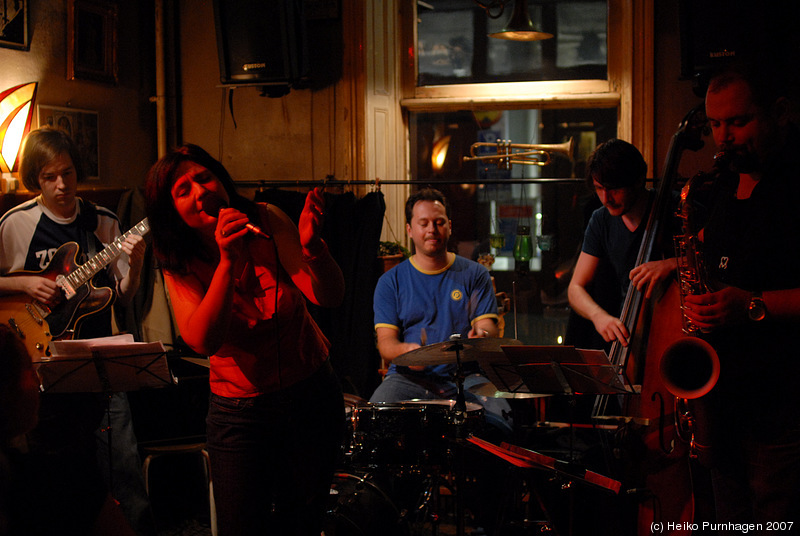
[520, 27]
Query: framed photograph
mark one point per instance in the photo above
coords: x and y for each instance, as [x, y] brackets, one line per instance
[14, 25]
[92, 41]
[82, 126]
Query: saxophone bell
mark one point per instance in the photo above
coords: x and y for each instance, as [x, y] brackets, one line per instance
[689, 367]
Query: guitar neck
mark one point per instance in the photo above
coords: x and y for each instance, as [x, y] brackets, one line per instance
[89, 269]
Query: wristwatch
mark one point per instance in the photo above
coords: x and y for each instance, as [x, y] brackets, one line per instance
[756, 310]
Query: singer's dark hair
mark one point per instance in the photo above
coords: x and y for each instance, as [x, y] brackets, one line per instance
[174, 242]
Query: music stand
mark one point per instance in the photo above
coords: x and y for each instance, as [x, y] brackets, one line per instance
[554, 370]
[104, 365]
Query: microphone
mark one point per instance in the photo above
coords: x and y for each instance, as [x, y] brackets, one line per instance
[212, 204]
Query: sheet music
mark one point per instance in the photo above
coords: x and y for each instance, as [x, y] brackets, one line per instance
[83, 347]
[554, 369]
[115, 363]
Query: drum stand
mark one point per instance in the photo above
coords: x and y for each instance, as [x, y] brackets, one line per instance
[459, 419]
[425, 509]
[554, 370]
[454, 351]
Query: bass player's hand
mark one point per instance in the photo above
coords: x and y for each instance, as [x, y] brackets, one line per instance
[650, 274]
[610, 327]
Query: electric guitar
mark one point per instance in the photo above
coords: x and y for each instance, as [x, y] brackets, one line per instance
[36, 323]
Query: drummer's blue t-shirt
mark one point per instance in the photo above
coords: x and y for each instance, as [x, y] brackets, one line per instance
[445, 302]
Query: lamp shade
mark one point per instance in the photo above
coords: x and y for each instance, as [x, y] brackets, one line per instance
[520, 27]
[16, 115]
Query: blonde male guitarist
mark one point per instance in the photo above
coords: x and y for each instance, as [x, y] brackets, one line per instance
[61, 488]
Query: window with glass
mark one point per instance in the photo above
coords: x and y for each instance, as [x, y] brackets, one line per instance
[454, 47]
[524, 221]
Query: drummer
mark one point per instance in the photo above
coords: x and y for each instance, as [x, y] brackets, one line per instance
[427, 299]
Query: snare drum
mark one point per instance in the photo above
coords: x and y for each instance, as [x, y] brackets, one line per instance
[411, 433]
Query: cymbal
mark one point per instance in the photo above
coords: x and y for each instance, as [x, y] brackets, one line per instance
[490, 390]
[444, 353]
[351, 400]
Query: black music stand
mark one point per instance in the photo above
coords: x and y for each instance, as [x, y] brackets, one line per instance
[554, 370]
[105, 365]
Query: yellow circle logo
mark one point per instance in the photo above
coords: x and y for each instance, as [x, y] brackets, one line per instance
[456, 295]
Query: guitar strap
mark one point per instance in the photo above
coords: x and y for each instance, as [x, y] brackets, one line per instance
[87, 220]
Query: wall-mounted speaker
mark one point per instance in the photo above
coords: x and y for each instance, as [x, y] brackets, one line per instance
[717, 33]
[261, 42]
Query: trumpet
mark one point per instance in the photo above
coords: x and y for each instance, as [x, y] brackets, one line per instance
[508, 153]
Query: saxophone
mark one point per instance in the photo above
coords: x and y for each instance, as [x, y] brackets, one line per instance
[692, 278]
[690, 366]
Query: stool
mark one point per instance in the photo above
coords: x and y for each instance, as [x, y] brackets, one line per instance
[156, 451]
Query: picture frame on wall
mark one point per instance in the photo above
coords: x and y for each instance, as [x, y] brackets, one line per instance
[14, 25]
[92, 41]
[83, 128]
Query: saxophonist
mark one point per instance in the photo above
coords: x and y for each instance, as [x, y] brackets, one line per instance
[751, 249]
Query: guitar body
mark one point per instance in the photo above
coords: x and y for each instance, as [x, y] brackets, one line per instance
[36, 323]
[65, 317]
[26, 320]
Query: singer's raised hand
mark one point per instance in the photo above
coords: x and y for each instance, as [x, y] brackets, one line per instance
[231, 227]
[311, 220]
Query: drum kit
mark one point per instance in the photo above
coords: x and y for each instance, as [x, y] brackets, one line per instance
[409, 448]
[399, 456]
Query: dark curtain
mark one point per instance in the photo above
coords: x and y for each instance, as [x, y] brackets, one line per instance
[352, 230]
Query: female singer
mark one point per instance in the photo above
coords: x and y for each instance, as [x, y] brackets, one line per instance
[238, 274]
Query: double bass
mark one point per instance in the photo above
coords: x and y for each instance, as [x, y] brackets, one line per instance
[660, 479]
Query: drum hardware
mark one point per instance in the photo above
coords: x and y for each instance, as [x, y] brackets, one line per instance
[460, 416]
[359, 507]
[454, 351]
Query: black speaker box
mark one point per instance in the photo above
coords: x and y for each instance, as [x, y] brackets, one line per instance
[716, 33]
[261, 42]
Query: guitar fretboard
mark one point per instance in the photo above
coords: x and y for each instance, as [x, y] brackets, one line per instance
[87, 270]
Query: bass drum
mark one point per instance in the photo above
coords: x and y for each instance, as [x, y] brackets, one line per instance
[358, 507]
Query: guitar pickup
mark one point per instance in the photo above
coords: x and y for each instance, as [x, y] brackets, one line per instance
[37, 311]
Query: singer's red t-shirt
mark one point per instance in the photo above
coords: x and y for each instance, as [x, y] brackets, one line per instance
[267, 348]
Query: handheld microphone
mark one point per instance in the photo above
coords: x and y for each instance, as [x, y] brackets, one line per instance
[212, 204]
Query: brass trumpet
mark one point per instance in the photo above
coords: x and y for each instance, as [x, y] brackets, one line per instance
[520, 153]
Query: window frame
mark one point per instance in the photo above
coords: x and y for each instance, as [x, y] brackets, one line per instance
[629, 88]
